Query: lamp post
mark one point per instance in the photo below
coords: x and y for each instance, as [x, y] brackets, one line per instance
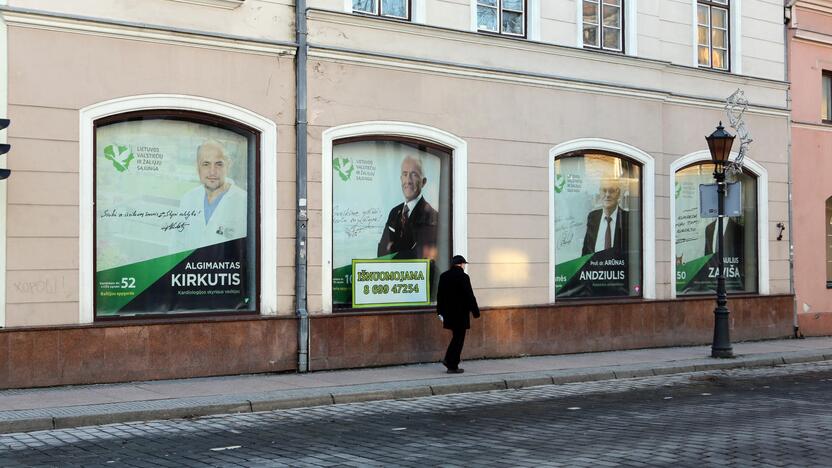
[719, 143]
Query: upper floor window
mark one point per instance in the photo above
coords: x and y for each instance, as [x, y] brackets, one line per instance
[826, 104]
[603, 24]
[502, 16]
[388, 8]
[712, 33]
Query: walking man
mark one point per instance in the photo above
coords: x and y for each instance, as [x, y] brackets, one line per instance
[454, 302]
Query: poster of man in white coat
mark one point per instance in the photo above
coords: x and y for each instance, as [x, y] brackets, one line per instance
[175, 217]
[221, 202]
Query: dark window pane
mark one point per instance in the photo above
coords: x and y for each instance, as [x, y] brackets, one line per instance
[612, 39]
[397, 8]
[487, 18]
[591, 35]
[364, 6]
[590, 12]
[612, 16]
[512, 23]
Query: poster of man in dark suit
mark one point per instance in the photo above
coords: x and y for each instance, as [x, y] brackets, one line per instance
[411, 227]
[606, 228]
[733, 243]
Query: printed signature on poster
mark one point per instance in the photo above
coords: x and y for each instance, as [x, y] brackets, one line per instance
[355, 222]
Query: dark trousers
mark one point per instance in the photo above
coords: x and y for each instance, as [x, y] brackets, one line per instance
[452, 356]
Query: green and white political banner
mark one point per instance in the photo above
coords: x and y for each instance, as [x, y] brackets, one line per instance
[697, 264]
[369, 181]
[596, 256]
[173, 218]
[379, 283]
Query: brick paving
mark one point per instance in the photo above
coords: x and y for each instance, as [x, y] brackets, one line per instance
[766, 417]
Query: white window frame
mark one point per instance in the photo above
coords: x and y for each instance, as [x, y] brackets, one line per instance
[459, 185]
[761, 174]
[630, 23]
[648, 217]
[734, 37]
[532, 27]
[417, 11]
[268, 186]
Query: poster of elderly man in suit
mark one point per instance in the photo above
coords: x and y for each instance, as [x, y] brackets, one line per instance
[597, 200]
[390, 202]
[697, 237]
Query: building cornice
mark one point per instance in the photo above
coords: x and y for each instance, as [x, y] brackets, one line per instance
[36, 19]
[529, 79]
[520, 44]
[822, 6]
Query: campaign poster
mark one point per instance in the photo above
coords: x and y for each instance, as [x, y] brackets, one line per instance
[597, 226]
[390, 202]
[174, 219]
[697, 263]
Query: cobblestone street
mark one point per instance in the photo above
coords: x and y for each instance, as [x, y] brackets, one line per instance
[753, 417]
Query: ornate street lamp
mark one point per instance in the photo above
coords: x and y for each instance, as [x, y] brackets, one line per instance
[720, 142]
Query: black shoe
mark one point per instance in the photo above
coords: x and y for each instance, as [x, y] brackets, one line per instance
[456, 371]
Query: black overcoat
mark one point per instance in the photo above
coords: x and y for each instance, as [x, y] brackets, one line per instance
[455, 300]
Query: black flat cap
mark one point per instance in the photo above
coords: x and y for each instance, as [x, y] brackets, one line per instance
[458, 260]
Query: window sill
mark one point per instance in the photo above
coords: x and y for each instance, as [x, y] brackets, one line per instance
[496, 34]
[382, 17]
[715, 70]
[225, 4]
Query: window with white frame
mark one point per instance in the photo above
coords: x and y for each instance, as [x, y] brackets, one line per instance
[603, 24]
[502, 17]
[388, 8]
[712, 19]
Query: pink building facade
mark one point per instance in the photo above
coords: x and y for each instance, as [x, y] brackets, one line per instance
[809, 33]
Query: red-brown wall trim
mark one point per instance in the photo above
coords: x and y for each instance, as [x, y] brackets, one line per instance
[376, 339]
[153, 349]
[120, 352]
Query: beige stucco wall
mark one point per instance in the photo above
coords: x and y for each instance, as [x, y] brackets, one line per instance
[261, 19]
[46, 91]
[511, 101]
[510, 122]
[664, 29]
[510, 129]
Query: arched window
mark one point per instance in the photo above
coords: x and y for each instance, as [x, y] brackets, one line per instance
[391, 220]
[176, 220]
[696, 236]
[597, 225]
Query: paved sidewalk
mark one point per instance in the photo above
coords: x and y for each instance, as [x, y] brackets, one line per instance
[74, 406]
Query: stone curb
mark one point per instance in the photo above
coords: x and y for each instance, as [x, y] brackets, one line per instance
[61, 418]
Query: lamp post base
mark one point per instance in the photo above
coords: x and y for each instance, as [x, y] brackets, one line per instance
[722, 353]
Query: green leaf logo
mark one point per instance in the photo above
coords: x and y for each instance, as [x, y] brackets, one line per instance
[560, 183]
[344, 168]
[119, 155]
[678, 189]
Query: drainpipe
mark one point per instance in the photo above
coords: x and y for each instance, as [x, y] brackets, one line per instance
[301, 223]
[788, 12]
